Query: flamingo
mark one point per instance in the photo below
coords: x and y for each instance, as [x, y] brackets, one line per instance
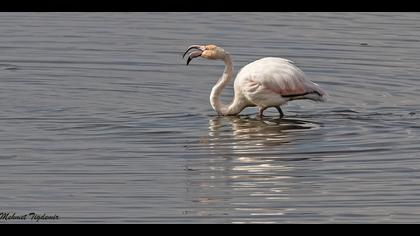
[264, 83]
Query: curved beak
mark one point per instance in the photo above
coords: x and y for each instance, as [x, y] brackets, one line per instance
[194, 54]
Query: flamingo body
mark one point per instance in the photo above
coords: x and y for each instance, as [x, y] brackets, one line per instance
[272, 82]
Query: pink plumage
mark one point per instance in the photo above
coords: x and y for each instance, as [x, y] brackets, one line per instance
[279, 76]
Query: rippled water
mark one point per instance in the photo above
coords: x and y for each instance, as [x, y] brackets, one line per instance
[101, 121]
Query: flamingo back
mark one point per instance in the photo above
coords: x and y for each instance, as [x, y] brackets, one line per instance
[279, 76]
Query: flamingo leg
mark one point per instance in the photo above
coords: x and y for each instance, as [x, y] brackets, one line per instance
[280, 111]
[261, 111]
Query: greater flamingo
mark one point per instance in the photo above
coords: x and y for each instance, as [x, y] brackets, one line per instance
[267, 82]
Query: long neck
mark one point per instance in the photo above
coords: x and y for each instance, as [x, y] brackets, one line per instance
[236, 106]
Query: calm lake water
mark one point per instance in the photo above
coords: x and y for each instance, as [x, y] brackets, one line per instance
[101, 121]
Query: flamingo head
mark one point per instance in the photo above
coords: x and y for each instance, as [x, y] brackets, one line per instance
[210, 51]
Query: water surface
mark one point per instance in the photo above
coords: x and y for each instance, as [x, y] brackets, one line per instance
[101, 121]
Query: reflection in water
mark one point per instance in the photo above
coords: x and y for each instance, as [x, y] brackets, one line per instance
[246, 174]
[250, 134]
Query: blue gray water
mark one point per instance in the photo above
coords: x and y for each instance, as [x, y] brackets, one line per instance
[102, 122]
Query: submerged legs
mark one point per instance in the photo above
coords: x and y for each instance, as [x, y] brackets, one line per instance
[280, 111]
[262, 109]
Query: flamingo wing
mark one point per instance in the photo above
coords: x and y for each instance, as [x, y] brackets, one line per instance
[279, 76]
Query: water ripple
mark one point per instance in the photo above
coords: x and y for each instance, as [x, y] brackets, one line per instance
[101, 121]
